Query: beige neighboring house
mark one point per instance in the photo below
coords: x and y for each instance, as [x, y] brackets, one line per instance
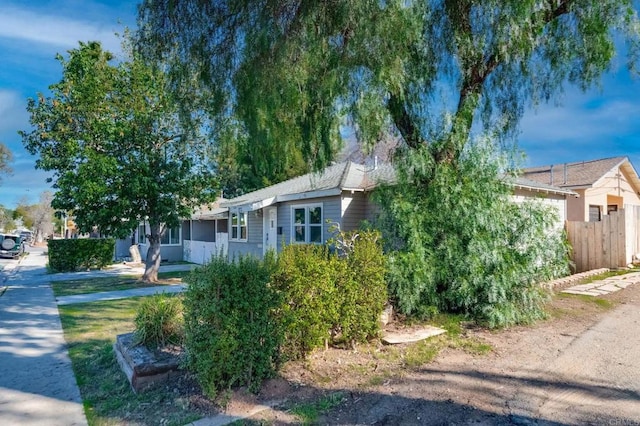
[603, 185]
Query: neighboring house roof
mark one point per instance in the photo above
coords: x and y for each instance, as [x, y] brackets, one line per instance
[211, 211]
[532, 185]
[345, 176]
[581, 174]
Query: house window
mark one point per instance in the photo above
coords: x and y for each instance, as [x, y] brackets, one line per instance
[612, 208]
[171, 236]
[142, 234]
[594, 213]
[307, 224]
[239, 226]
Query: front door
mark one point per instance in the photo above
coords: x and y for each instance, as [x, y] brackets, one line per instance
[270, 226]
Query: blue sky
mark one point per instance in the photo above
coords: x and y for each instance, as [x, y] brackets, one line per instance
[603, 122]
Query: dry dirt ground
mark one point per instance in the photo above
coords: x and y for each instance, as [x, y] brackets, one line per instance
[554, 372]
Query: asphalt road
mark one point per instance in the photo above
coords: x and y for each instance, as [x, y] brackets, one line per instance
[7, 262]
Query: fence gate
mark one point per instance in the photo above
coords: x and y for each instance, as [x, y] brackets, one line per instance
[601, 244]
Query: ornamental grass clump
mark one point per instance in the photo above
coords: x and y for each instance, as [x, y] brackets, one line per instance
[159, 321]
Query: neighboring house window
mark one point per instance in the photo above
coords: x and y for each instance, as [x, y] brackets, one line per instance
[307, 224]
[171, 236]
[142, 234]
[612, 208]
[239, 226]
[594, 213]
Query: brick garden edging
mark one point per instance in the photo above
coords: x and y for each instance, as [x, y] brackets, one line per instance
[572, 279]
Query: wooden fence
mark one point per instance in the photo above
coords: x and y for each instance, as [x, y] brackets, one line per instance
[609, 243]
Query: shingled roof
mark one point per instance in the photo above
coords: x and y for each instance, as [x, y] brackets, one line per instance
[345, 176]
[573, 175]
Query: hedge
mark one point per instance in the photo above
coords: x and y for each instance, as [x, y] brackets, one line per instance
[70, 255]
[243, 318]
[329, 298]
[231, 337]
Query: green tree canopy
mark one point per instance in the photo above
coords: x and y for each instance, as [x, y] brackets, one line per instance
[292, 72]
[110, 134]
[289, 74]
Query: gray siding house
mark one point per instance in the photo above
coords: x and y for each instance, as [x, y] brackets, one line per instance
[303, 209]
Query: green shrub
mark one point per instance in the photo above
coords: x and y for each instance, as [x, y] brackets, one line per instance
[159, 321]
[467, 247]
[329, 298]
[231, 336]
[306, 278]
[243, 318]
[364, 293]
[70, 255]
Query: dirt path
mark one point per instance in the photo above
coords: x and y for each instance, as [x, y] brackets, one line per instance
[580, 367]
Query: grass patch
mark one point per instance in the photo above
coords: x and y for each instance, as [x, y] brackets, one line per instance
[90, 330]
[308, 413]
[415, 355]
[125, 282]
[598, 301]
[606, 275]
[172, 274]
[422, 352]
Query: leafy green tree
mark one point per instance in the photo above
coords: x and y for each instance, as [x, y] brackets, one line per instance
[464, 245]
[110, 133]
[292, 72]
[6, 220]
[23, 212]
[433, 72]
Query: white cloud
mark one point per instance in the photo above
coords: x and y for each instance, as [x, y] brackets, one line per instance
[48, 29]
[580, 123]
[12, 111]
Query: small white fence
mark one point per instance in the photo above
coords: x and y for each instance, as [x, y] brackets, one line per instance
[201, 252]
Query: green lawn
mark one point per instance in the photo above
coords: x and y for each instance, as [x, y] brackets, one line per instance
[90, 330]
[96, 285]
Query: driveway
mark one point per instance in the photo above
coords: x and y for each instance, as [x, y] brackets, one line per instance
[579, 368]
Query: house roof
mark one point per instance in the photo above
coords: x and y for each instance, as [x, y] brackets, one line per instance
[211, 211]
[532, 185]
[580, 174]
[345, 176]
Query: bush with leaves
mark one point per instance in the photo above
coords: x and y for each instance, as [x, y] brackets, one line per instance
[468, 247]
[306, 279]
[231, 336]
[329, 298]
[70, 255]
[361, 287]
[159, 321]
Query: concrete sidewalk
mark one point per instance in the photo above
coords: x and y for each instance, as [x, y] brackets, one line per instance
[38, 273]
[120, 294]
[37, 385]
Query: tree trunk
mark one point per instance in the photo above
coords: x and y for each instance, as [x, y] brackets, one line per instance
[152, 263]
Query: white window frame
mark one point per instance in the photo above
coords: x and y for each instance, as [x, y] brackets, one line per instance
[307, 225]
[168, 232]
[141, 237]
[143, 240]
[238, 226]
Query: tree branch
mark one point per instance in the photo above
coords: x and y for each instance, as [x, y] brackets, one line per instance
[479, 72]
[403, 122]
